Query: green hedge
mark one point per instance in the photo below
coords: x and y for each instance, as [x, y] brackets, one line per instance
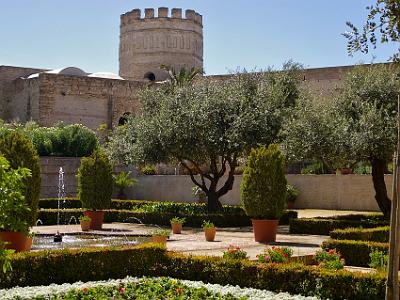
[49, 217]
[33, 268]
[145, 205]
[355, 253]
[323, 226]
[379, 234]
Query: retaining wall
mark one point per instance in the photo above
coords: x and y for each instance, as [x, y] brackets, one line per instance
[338, 192]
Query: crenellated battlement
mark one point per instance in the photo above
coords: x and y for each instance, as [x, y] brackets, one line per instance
[162, 13]
[151, 37]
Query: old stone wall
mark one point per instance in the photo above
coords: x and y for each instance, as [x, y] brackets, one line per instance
[10, 84]
[146, 43]
[84, 100]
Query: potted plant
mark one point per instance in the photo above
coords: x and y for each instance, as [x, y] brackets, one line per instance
[291, 195]
[95, 184]
[176, 224]
[160, 236]
[14, 225]
[29, 241]
[263, 191]
[209, 230]
[85, 222]
[123, 181]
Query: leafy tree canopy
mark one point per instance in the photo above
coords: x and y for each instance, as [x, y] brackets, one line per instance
[360, 124]
[382, 25]
[210, 124]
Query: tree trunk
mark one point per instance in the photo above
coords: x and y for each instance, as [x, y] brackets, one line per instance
[378, 179]
[213, 203]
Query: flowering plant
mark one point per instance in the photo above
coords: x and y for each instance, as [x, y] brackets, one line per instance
[275, 255]
[234, 252]
[329, 259]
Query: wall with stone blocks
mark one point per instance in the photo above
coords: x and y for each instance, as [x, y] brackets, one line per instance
[337, 192]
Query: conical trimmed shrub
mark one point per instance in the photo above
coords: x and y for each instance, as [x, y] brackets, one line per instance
[95, 181]
[263, 189]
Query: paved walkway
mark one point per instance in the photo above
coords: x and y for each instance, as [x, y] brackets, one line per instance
[192, 240]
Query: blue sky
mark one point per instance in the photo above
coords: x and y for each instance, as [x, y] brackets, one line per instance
[237, 33]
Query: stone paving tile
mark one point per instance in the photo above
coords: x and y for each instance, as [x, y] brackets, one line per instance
[192, 240]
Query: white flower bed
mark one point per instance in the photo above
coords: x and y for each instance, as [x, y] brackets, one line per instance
[54, 289]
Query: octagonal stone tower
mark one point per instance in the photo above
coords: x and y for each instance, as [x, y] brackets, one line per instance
[147, 43]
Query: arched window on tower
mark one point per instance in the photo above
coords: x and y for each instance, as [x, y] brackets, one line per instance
[124, 119]
[150, 76]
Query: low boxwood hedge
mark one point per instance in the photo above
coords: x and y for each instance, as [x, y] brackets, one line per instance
[323, 226]
[49, 217]
[143, 205]
[379, 234]
[33, 268]
[355, 253]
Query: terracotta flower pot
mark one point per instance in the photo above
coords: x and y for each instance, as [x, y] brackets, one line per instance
[346, 171]
[159, 239]
[210, 233]
[97, 218]
[265, 230]
[85, 225]
[15, 240]
[290, 205]
[28, 244]
[176, 228]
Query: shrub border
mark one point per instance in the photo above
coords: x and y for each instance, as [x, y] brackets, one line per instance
[90, 264]
[49, 217]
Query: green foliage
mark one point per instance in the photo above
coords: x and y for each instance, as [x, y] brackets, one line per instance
[207, 224]
[379, 234]
[178, 220]
[182, 78]
[49, 217]
[234, 252]
[161, 232]
[329, 259]
[275, 255]
[85, 218]
[5, 258]
[315, 168]
[291, 193]
[359, 125]
[13, 207]
[323, 226]
[379, 260]
[362, 167]
[20, 153]
[382, 26]
[63, 140]
[263, 189]
[148, 170]
[95, 181]
[145, 260]
[356, 253]
[123, 180]
[146, 288]
[210, 124]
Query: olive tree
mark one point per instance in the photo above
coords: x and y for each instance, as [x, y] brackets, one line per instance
[382, 26]
[208, 126]
[360, 124]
